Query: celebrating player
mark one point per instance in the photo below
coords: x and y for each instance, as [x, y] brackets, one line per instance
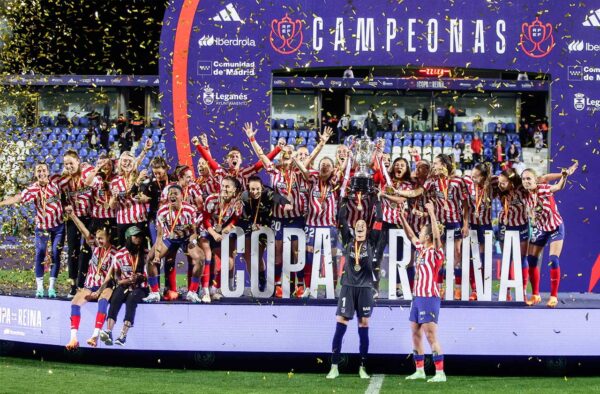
[356, 295]
[45, 194]
[425, 307]
[547, 225]
[128, 270]
[175, 226]
[96, 282]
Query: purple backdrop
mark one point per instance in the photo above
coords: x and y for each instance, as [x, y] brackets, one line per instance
[217, 59]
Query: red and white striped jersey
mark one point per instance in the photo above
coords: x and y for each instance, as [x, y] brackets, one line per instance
[48, 207]
[79, 195]
[124, 265]
[322, 201]
[391, 210]
[129, 210]
[102, 259]
[480, 200]
[416, 215]
[289, 184]
[220, 213]
[513, 210]
[100, 198]
[208, 185]
[176, 220]
[542, 208]
[428, 263]
[191, 194]
[447, 195]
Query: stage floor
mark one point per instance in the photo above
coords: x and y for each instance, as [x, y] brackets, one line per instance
[306, 326]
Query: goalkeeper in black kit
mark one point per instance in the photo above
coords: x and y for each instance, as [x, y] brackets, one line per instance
[356, 296]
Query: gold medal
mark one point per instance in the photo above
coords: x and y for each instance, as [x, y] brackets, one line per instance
[97, 277]
[357, 267]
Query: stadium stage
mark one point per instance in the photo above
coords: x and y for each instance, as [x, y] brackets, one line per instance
[305, 326]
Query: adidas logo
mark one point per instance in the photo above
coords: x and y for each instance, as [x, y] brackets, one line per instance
[592, 19]
[576, 46]
[228, 14]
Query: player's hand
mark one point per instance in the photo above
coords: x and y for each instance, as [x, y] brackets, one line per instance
[287, 207]
[281, 143]
[148, 145]
[143, 175]
[573, 168]
[429, 206]
[249, 130]
[326, 134]
[93, 296]
[204, 140]
[217, 237]
[464, 232]
[69, 210]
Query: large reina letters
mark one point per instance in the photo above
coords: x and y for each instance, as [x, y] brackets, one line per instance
[322, 268]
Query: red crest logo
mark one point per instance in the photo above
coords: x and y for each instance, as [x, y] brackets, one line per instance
[536, 38]
[286, 35]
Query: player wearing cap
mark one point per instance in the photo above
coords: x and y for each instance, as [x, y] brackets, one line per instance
[128, 270]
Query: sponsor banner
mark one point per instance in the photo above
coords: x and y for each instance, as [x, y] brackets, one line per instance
[81, 80]
[293, 37]
[215, 328]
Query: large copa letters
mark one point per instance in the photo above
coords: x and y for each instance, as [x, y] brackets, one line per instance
[322, 274]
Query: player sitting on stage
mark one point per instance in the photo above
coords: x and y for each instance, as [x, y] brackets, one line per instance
[97, 282]
[356, 295]
[128, 271]
[175, 225]
[425, 307]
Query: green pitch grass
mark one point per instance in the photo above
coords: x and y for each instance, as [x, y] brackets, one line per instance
[36, 376]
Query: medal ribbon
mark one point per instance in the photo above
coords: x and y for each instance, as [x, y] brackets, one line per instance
[443, 185]
[323, 189]
[176, 218]
[357, 248]
[102, 259]
[478, 199]
[222, 211]
[257, 209]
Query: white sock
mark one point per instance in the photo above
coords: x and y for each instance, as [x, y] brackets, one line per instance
[39, 282]
[73, 334]
[96, 332]
[205, 290]
[52, 282]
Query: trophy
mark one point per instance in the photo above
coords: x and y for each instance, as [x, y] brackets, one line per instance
[362, 150]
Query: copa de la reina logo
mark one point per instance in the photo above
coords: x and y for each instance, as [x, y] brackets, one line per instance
[537, 38]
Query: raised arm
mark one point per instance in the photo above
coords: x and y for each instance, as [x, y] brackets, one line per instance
[323, 138]
[251, 134]
[147, 146]
[80, 226]
[205, 153]
[410, 193]
[561, 183]
[12, 200]
[343, 220]
[301, 167]
[408, 230]
[435, 230]
[554, 176]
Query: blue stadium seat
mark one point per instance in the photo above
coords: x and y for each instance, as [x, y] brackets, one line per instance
[457, 137]
[510, 127]
[459, 126]
[283, 133]
[397, 143]
[72, 137]
[387, 149]
[418, 143]
[380, 134]
[469, 127]
[312, 134]
[303, 134]
[447, 144]
[468, 138]
[488, 137]
[310, 148]
[274, 133]
[437, 136]
[289, 123]
[155, 122]
[427, 143]
[437, 143]
[491, 127]
[114, 131]
[291, 141]
[147, 132]
[292, 134]
[44, 152]
[407, 142]
[84, 121]
[312, 141]
[388, 135]
[77, 145]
